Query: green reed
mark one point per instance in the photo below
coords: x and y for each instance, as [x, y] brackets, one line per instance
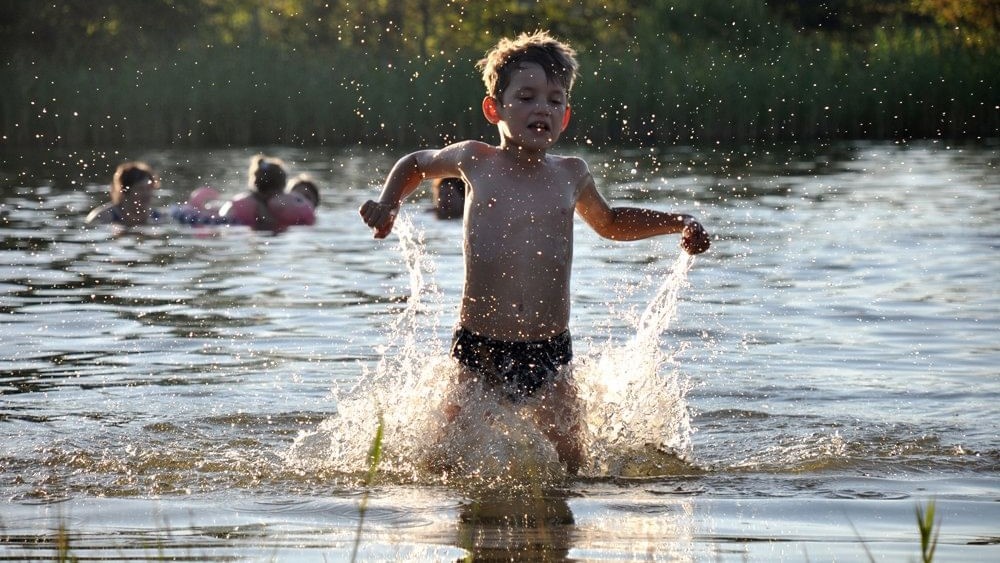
[666, 86]
[928, 526]
[930, 530]
[374, 457]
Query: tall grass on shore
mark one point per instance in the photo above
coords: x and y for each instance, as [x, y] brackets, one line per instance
[665, 87]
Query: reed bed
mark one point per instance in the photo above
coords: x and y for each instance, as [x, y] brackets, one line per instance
[664, 87]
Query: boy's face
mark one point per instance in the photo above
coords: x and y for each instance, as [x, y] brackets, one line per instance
[140, 194]
[305, 193]
[134, 202]
[533, 111]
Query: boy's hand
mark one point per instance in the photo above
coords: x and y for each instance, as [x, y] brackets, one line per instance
[379, 216]
[694, 238]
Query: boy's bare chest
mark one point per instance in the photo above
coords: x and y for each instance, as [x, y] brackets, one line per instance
[516, 197]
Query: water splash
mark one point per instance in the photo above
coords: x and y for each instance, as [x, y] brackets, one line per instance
[635, 416]
[405, 389]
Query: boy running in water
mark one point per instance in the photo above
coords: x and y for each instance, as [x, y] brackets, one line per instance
[513, 330]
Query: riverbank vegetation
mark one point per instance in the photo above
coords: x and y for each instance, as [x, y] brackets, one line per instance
[291, 72]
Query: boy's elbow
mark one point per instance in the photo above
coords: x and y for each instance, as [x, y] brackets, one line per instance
[609, 226]
[617, 236]
[609, 230]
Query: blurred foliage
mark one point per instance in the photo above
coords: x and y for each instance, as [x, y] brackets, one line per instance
[408, 28]
[976, 20]
[388, 28]
[222, 72]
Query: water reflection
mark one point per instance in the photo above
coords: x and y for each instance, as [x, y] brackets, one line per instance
[654, 522]
[538, 526]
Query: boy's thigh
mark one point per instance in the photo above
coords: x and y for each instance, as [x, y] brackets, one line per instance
[557, 403]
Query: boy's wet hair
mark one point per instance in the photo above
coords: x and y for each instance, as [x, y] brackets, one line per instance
[555, 57]
[129, 174]
[267, 175]
[305, 183]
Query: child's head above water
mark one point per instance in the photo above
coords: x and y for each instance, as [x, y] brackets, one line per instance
[133, 180]
[304, 186]
[556, 58]
[131, 194]
[267, 175]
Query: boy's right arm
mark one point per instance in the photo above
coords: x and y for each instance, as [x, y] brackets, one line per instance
[403, 180]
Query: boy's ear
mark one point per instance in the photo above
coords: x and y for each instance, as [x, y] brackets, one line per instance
[565, 122]
[490, 110]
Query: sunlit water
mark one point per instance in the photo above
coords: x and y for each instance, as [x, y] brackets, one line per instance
[795, 393]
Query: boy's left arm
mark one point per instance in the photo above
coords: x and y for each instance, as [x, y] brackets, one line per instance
[633, 223]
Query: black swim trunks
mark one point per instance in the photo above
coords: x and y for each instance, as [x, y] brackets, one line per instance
[518, 369]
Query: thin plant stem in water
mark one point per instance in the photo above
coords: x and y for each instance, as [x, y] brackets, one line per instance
[374, 456]
[63, 552]
[864, 545]
[929, 531]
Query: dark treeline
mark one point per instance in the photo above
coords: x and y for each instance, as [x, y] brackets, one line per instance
[296, 72]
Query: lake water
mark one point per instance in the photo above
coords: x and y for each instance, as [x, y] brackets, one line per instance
[796, 393]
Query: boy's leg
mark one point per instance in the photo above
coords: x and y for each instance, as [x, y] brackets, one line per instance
[558, 416]
[451, 404]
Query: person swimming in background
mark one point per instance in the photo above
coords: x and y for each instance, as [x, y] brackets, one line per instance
[201, 208]
[304, 185]
[131, 195]
[513, 330]
[296, 205]
[449, 197]
[267, 178]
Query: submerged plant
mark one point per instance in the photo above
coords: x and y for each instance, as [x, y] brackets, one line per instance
[63, 552]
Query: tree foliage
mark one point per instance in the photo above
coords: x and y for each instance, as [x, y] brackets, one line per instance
[977, 21]
[423, 28]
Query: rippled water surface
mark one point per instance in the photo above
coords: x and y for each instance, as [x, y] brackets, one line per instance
[830, 365]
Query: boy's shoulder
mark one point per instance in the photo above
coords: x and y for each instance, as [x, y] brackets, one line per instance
[567, 160]
[472, 147]
[573, 165]
[102, 214]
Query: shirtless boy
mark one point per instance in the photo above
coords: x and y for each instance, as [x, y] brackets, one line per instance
[513, 329]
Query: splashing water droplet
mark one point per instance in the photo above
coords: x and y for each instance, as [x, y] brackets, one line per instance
[637, 422]
[635, 419]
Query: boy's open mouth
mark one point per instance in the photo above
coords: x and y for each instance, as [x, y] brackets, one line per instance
[538, 126]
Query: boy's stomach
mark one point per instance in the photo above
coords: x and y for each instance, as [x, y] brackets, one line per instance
[516, 302]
